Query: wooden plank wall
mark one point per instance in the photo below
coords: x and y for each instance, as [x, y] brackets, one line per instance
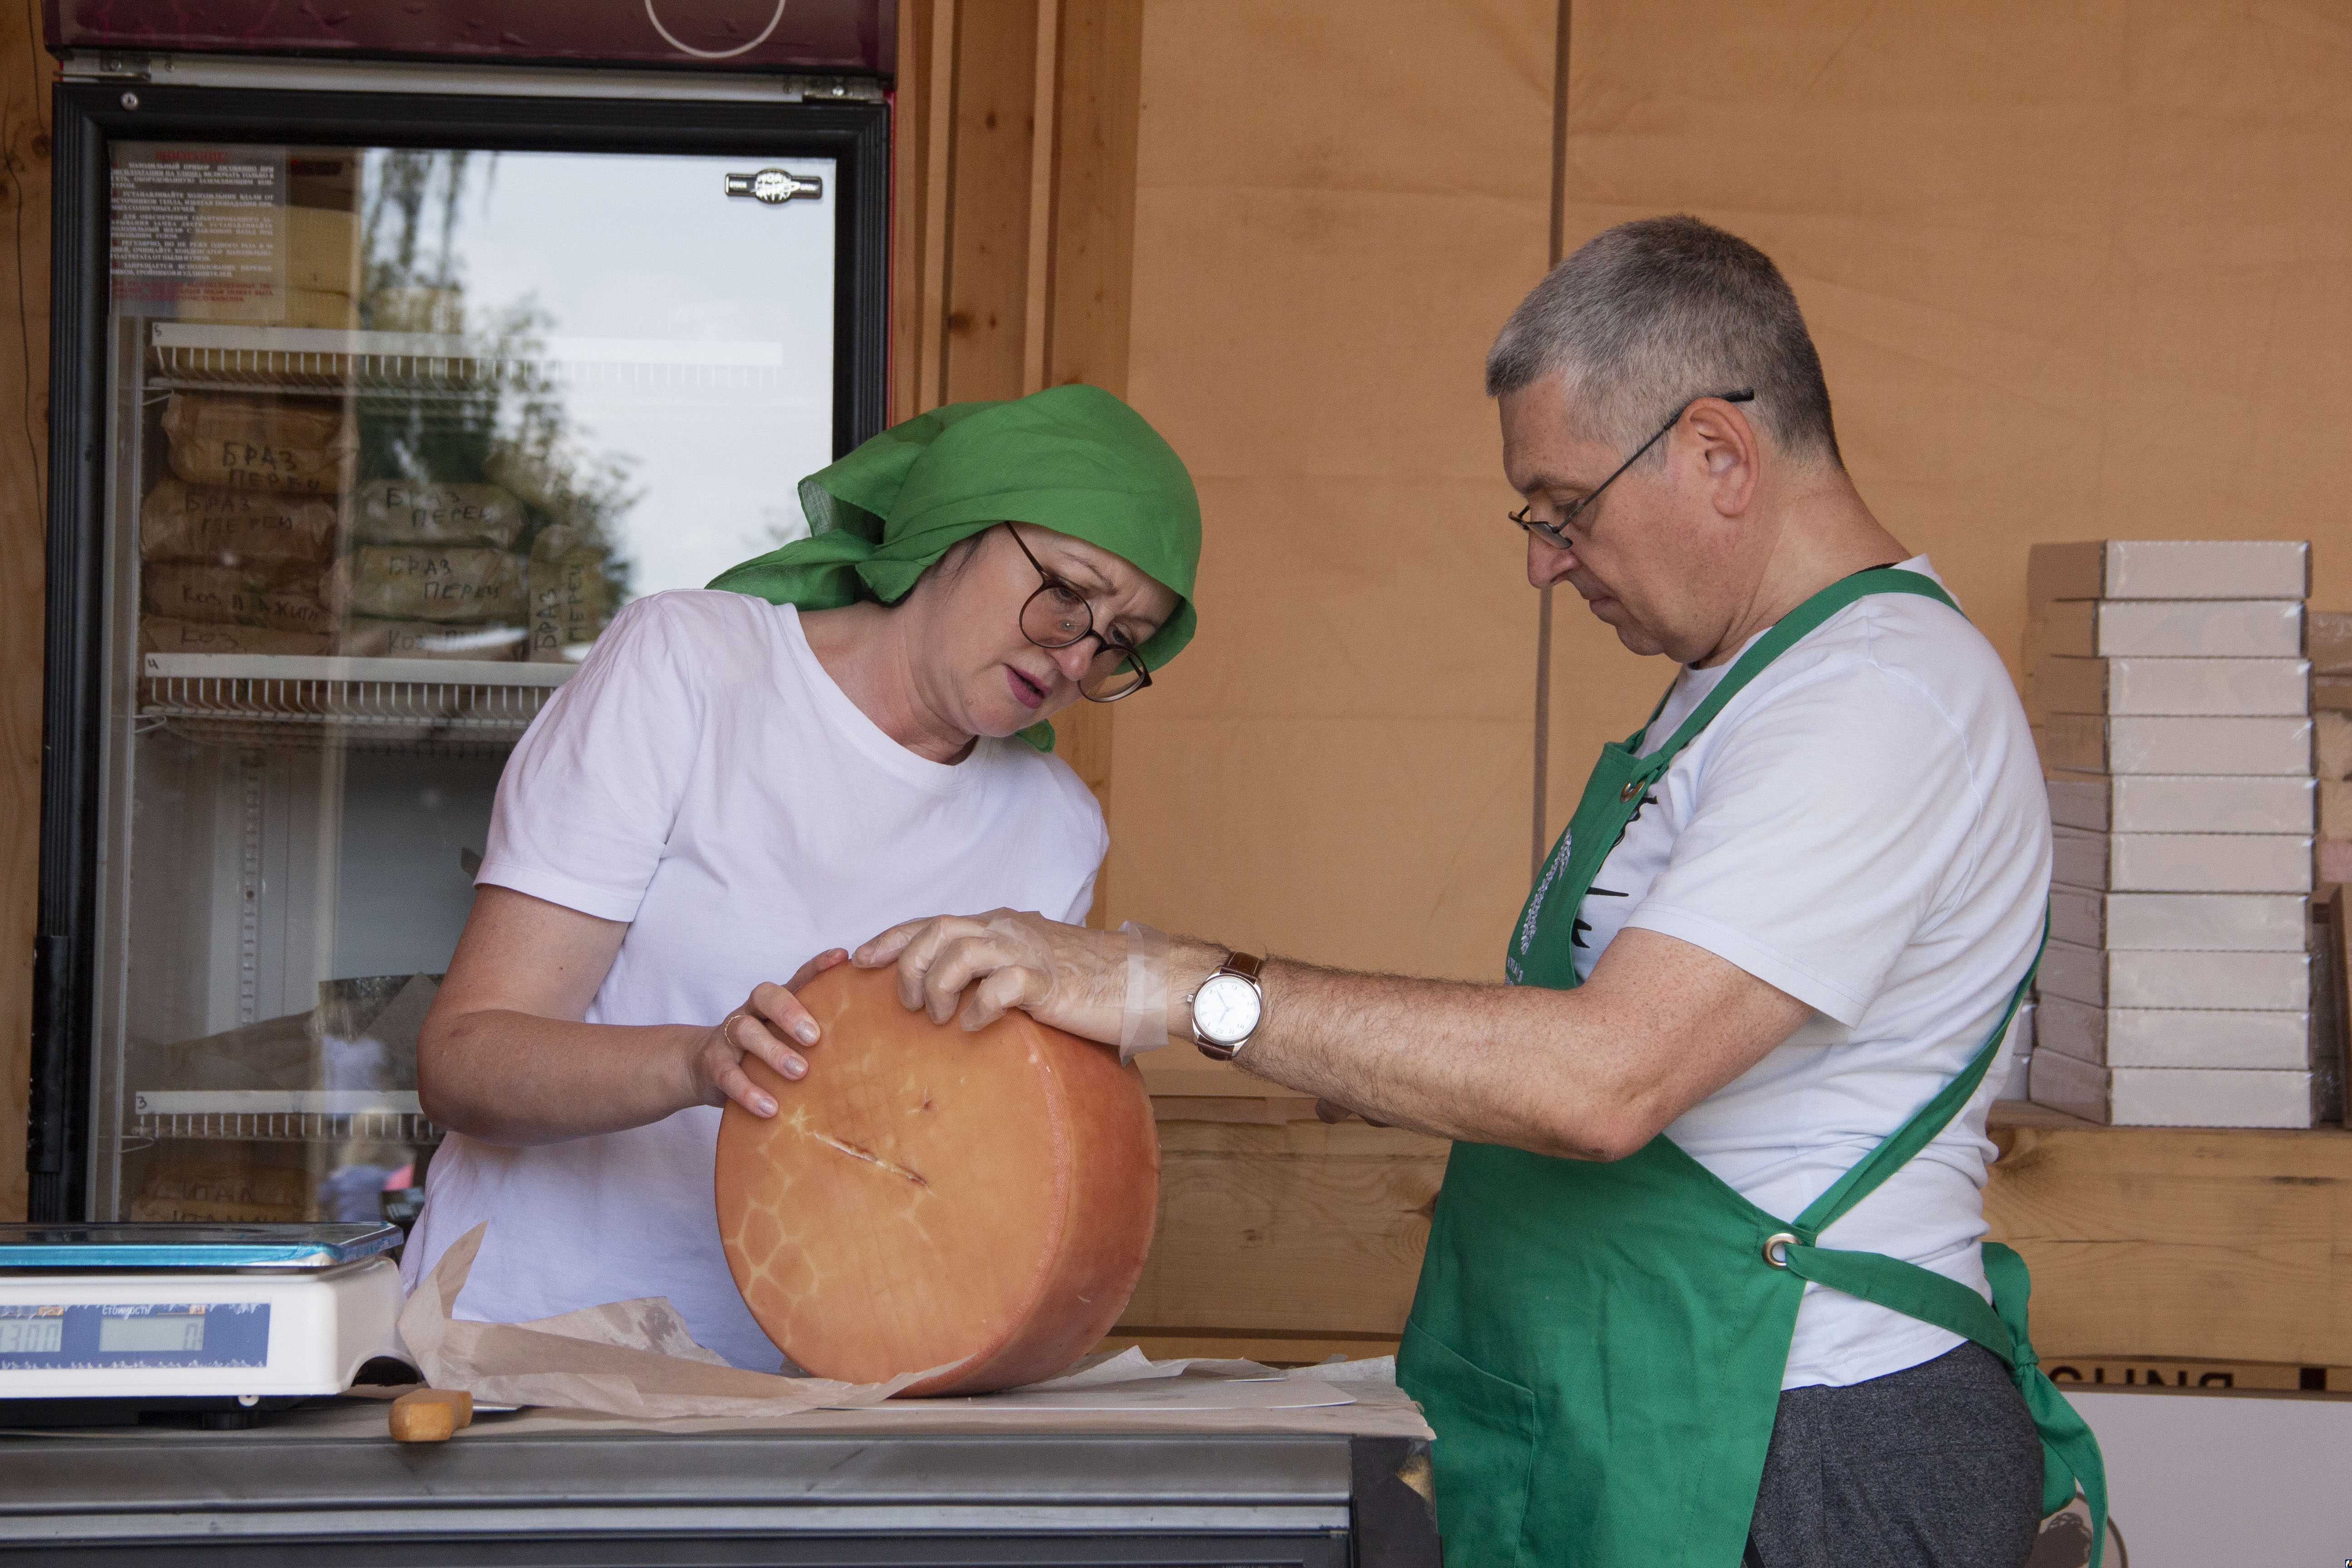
[1013, 222]
[25, 77]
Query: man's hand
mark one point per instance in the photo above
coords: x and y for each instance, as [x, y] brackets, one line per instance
[1068, 976]
[771, 1018]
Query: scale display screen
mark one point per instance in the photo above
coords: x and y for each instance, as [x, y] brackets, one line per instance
[158, 1331]
[31, 1336]
[218, 1334]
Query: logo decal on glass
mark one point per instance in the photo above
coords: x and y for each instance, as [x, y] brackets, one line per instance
[774, 186]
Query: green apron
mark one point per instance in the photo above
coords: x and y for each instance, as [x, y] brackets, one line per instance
[1600, 1346]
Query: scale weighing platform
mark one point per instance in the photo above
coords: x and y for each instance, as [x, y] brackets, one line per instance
[100, 1324]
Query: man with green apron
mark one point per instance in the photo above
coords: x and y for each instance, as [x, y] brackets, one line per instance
[1705, 1283]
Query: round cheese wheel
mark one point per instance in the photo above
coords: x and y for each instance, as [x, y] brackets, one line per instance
[926, 1197]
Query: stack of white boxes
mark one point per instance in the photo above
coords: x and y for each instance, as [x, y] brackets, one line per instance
[2171, 700]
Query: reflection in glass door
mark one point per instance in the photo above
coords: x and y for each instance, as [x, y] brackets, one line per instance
[393, 433]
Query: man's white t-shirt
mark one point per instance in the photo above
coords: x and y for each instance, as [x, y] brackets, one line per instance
[703, 778]
[1865, 826]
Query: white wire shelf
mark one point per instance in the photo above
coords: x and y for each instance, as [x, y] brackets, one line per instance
[201, 356]
[448, 706]
[269, 1116]
[254, 1127]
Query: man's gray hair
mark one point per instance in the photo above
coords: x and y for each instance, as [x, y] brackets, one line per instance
[1648, 315]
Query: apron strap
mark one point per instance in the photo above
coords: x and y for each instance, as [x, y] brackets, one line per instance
[1785, 633]
[1898, 1146]
[2070, 1453]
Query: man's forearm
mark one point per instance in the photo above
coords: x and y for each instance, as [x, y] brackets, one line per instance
[1486, 1064]
[1591, 1074]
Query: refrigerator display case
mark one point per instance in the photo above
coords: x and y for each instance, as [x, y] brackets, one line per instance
[379, 388]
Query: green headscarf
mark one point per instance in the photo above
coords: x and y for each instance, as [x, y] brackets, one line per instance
[1072, 459]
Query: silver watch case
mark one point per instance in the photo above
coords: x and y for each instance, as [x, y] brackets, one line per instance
[1228, 1006]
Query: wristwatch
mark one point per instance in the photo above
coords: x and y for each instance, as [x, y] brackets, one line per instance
[1227, 1006]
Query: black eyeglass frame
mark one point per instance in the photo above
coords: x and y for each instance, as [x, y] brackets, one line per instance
[1549, 532]
[1132, 655]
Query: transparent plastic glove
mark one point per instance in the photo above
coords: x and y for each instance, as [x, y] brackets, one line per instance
[1104, 985]
[1144, 1027]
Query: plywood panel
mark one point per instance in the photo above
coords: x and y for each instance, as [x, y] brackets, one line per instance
[1336, 206]
[2074, 270]
[24, 438]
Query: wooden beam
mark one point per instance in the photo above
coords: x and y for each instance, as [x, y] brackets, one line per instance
[1038, 307]
[931, 242]
[1099, 115]
[24, 78]
[910, 194]
[987, 237]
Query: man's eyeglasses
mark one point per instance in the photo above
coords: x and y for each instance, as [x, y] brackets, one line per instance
[1549, 532]
[1057, 615]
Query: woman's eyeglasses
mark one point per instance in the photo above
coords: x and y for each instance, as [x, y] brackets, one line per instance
[1057, 616]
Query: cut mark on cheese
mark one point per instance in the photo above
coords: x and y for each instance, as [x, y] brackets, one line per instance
[871, 1158]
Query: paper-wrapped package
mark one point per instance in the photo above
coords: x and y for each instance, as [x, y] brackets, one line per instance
[396, 583]
[572, 597]
[365, 637]
[306, 447]
[531, 475]
[227, 527]
[284, 599]
[161, 633]
[217, 1193]
[403, 512]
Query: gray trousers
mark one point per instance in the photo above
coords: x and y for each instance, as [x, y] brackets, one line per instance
[1937, 1466]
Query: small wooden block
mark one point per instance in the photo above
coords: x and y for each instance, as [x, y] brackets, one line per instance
[431, 1415]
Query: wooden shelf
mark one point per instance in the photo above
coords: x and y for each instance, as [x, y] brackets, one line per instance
[2190, 1246]
[2211, 1244]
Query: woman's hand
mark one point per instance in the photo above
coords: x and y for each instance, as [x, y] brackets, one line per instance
[1068, 976]
[771, 1018]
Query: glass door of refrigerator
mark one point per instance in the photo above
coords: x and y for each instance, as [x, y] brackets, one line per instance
[392, 433]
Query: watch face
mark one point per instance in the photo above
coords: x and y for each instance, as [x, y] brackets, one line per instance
[1226, 1009]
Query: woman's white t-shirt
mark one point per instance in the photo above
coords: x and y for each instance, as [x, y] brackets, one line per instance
[702, 778]
[1863, 827]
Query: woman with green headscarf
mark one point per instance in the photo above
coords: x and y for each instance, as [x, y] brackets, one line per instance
[846, 732]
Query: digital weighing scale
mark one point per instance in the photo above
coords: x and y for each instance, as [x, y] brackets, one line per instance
[101, 1322]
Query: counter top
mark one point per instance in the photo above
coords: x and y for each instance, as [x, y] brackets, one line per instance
[945, 1481]
[552, 1487]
